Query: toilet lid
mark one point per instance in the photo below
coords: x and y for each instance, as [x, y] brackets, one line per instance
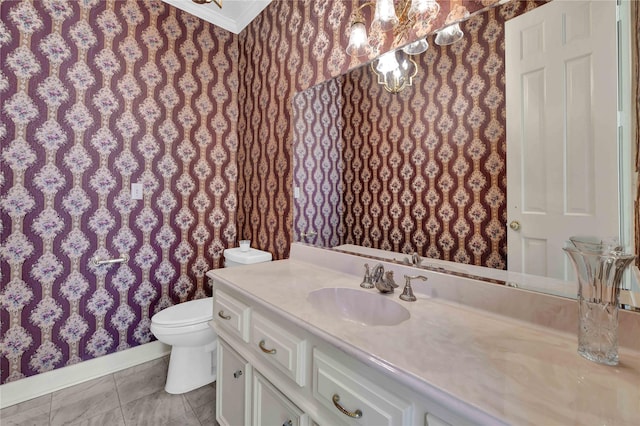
[187, 313]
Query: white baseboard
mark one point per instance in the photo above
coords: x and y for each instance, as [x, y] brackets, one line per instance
[41, 384]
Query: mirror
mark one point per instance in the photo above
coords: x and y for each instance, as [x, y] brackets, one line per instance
[423, 170]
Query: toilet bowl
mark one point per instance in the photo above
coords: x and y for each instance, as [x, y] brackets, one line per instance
[193, 354]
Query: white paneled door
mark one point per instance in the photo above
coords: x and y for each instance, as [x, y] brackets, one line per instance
[562, 165]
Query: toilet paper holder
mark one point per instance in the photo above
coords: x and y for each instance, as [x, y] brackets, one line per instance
[99, 262]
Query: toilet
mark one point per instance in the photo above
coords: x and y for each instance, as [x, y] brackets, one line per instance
[193, 344]
[185, 327]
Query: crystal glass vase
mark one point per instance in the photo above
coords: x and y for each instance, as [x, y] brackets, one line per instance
[599, 267]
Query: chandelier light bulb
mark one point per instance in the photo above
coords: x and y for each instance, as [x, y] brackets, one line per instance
[428, 8]
[357, 39]
[452, 33]
[385, 14]
[387, 63]
[416, 48]
[449, 35]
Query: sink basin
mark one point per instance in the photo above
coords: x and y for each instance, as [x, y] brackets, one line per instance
[359, 306]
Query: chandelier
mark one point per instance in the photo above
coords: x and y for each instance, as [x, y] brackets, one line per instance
[396, 69]
[412, 12]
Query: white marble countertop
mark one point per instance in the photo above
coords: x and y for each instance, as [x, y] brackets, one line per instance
[463, 358]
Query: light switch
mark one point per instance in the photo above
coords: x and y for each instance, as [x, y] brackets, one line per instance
[296, 192]
[136, 191]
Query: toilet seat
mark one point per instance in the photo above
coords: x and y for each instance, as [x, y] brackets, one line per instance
[184, 314]
[181, 329]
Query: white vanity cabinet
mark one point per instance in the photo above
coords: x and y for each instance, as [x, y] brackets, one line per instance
[243, 395]
[292, 377]
[309, 334]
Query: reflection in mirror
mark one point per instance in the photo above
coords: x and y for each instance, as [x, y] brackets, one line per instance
[423, 170]
[395, 70]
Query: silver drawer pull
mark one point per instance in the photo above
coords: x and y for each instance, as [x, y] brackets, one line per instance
[287, 423]
[237, 374]
[265, 350]
[353, 414]
[223, 316]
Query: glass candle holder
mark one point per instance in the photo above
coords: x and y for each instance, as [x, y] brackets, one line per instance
[599, 268]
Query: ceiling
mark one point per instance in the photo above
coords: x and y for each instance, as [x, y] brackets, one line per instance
[234, 16]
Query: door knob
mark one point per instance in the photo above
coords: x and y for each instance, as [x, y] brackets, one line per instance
[515, 225]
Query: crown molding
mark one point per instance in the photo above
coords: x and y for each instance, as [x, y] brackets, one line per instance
[234, 16]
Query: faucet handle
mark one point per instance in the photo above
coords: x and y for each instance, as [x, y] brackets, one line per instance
[366, 280]
[407, 292]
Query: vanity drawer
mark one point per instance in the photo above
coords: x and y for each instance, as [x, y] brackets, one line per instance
[284, 350]
[353, 398]
[231, 314]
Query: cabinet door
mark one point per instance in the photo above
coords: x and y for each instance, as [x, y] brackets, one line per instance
[272, 408]
[234, 373]
[432, 420]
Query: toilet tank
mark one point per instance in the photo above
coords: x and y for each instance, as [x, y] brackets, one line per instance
[236, 257]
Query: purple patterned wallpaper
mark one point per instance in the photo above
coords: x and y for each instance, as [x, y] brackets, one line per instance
[318, 164]
[95, 96]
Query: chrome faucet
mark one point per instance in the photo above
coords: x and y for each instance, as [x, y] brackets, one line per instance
[414, 261]
[376, 274]
[383, 281]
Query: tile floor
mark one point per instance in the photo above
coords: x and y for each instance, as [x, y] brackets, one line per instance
[134, 396]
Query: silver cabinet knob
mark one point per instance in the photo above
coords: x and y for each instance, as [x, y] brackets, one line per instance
[515, 225]
[237, 374]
